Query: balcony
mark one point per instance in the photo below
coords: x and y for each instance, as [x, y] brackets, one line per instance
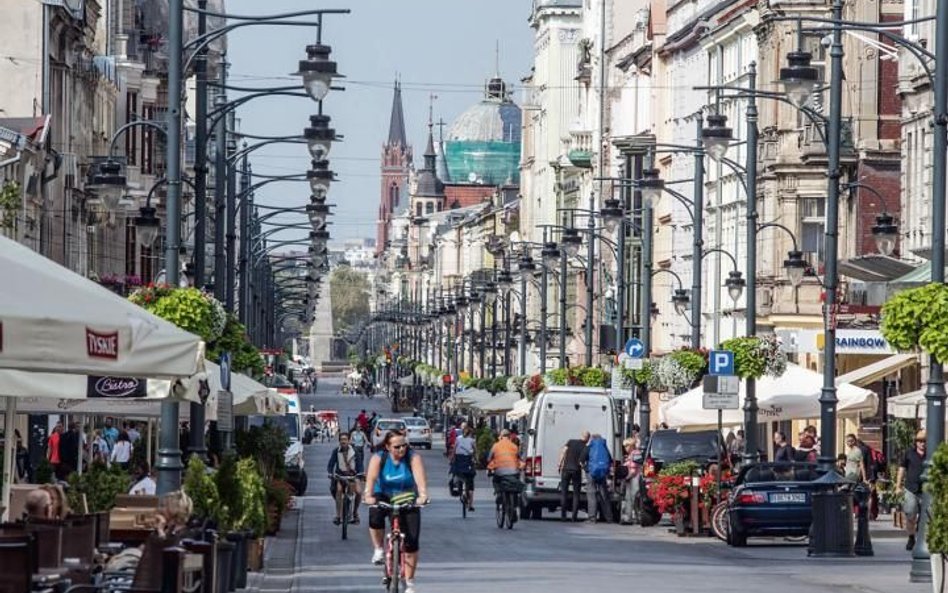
[812, 147]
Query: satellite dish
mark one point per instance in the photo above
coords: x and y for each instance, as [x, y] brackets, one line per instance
[472, 177]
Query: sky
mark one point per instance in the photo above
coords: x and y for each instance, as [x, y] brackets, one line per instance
[446, 48]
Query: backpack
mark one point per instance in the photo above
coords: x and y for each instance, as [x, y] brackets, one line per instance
[599, 459]
[878, 460]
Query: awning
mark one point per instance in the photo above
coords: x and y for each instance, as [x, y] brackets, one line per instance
[793, 396]
[920, 275]
[874, 268]
[908, 405]
[521, 409]
[501, 402]
[871, 373]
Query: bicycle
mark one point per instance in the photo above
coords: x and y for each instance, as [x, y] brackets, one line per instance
[466, 495]
[506, 506]
[349, 501]
[394, 566]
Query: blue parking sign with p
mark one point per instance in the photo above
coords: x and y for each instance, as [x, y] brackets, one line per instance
[721, 362]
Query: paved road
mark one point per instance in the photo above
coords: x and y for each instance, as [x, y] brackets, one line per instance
[473, 556]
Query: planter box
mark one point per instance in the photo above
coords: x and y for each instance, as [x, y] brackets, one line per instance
[255, 554]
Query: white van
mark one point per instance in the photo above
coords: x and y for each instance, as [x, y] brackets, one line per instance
[292, 424]
[558, 415]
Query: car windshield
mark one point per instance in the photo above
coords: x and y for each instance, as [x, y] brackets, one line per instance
[416, 422]
[684, 445]
[277, 382]
[391, 425]
[288, 422]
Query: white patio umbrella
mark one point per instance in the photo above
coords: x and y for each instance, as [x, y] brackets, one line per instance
[521, 409]
[795, 395]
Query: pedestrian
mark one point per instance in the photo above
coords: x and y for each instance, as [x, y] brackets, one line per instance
[630, 481]
[597, 461]
[24, 467]
[363, 420]
[736, 449]
[358, 441]
[110, 432]
[69, 444]
[571, 473]
[52, 450]
[133, 433]
[811, 430]
[908, 481]
[855, 462]
[145, 484]
[122, 452]
[101, 452]
[783, 451]
[806, 452]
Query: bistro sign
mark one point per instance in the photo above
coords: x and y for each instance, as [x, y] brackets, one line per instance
[116, 387]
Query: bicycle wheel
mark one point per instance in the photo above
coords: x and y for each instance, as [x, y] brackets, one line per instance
[501, 511]
[719, 521]
[511, 514]
[396, 571]
[463, 499]
[345, 515]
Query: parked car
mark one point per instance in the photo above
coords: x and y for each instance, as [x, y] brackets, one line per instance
[670, 446]
[559, 414]
[384, 425]
[419, 432]
[292, 424]
[771, 499]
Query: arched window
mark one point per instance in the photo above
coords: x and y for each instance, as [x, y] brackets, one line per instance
[429, 207]
[418, 209]
[393, 196]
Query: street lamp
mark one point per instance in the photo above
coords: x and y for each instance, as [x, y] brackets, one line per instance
[885, 233]
[795, 267]
[799, 78]
[550, 254]
[147, 226]
[612, 214]
[572, 241]
[680, 300]
[526, 267]
[651, 187]
[716, 137]
[735, 285]
[504, 281]
[108, 183]
[317, 215]
[317, 71]
[319, 136]
[320, 177]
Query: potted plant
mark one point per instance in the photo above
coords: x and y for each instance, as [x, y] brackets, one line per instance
[671, 491]
[97, 487]
[937, 534]
[200, 486]
[756, 356]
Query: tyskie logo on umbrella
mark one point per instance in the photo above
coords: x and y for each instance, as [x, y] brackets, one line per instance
[102, 345]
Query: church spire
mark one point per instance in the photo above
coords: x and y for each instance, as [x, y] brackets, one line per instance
[396, 129]
[430, 155]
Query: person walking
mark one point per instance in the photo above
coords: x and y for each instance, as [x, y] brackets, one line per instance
[783, 451]
[908, 482]
[571, 474]
[53, 452]
[122, 452]
[855, 461]
[630, 482]
[597, 461]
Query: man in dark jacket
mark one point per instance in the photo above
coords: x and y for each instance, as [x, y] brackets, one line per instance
[343, 461]
[69, 448]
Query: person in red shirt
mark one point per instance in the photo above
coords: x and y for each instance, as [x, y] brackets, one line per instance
[52, 449]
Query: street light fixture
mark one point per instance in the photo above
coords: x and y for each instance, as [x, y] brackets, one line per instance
[885, 233]
[795, 267]
[611, 214]
[680, 300]
[147, 226]
[651, 187]
[108, 183]
[319, 136]
[735, 285]
[320, 177]
[717, 136]
[550, 255]
[317, 215]
[317, 71]
[504, 281]
[799, 78]
[572, 241]
[526, 267]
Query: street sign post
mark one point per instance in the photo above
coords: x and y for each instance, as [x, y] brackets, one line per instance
[721, 362]
[635, 348]
[721, 392]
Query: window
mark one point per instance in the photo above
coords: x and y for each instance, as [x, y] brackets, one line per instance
[429, 207]
[131, 136]
[812, 229]
[418, 209]
[148, 142]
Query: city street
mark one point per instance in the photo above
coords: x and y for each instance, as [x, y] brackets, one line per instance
[472, 555]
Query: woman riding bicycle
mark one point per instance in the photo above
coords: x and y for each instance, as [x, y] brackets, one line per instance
[462, 462]
[396, 475]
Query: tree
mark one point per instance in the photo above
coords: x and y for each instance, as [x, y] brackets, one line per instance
[349, 291]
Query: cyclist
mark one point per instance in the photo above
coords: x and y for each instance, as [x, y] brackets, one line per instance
[344, 461]
[396, 475]
[462, 462]
[504, 461]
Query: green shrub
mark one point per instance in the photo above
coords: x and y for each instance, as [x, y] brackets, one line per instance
[483, 443]
[100, 485]
[44, 473]
[937, 487]
[201, 487]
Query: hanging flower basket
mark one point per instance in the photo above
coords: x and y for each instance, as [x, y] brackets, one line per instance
[917, 319]
[756, 356]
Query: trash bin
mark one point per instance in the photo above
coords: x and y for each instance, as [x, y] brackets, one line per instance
[831, 532]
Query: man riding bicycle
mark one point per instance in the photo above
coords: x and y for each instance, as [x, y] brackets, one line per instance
[345, 462]
[504, 461]
[462, 463]
[396, 475]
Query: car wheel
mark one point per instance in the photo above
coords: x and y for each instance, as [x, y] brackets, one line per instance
[735, 538]
[648, 514]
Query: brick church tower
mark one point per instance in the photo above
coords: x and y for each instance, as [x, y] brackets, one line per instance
[396, 168]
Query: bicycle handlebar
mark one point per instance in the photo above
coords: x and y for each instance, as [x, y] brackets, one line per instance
[345, 477]
[397, 507]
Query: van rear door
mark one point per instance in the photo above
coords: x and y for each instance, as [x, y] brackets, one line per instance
[565, 417]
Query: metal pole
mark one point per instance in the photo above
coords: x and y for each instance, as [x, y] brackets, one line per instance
[523, 326]
[196, 444]
[245, 235]
[620, 271]
[220, 199]
[471, 333]
[563, 263]
[751, 446]
[698, 234]
[483, 346]
[169, 464]
[828, 398]
[230, 277]
[493, 339]
[590, 272]
[544, 282]
[935, 392]
[507, 361]
[645, 408]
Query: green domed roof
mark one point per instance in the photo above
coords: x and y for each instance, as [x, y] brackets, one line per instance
[484, 142]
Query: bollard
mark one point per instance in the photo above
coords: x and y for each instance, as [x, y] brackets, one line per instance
[863, 545]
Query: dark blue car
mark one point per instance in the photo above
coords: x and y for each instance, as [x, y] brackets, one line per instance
[771, 499]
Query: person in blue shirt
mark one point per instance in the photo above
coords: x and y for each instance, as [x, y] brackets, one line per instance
[396, 475]
[345, 461]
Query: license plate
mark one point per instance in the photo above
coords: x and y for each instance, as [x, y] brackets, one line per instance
[791, 497]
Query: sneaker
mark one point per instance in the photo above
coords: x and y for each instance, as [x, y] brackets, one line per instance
[910, 545]
[355, 520]
[378, 557]
[337, 521]
[410, 587]
[471, 509]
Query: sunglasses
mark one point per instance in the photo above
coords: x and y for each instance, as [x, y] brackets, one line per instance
[399, 447]
[919, 440]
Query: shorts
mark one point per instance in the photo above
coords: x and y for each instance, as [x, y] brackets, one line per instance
[410, 524]
[911, 504]
[468, 480]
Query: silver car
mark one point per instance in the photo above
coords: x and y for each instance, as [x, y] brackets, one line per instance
[384, 426]
[419, 432]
